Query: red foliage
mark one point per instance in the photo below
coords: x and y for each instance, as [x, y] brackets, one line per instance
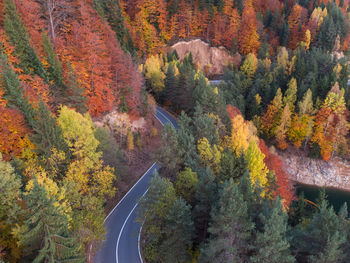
[274, 163]
[232, 111]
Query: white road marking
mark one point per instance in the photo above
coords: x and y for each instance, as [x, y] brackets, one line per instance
[121, 231]
[138, 244]
[129, 191]
[166, 118]
[159, 120]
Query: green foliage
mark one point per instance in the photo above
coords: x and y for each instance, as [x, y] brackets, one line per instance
[178, 233]
[232, 166]
[18, 35]
[13, 91]
[74, 92]
[323, 239]
[185, 184]
[231, 220]
[271, 244]
[111, 11]
[10, 211]
[154, 209]
[54, 69]
[45, 234]
[47, 134]
[169, 155]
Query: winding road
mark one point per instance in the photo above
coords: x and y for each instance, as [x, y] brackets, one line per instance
[123, 233]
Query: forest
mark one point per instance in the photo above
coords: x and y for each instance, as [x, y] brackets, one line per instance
[222, 194]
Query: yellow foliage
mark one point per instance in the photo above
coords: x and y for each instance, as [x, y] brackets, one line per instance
[239, 140]
[130, 141]
[250, 65]
[257, 168]
[210, 155]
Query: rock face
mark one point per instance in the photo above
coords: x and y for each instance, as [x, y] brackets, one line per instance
[301, 169]
[212, 60]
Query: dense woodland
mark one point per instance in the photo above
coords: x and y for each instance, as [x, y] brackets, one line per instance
[222, 194]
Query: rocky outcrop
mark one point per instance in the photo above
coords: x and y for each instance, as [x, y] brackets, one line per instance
[301, 169]
[212, 60]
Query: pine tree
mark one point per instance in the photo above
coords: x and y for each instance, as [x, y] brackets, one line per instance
[18, 35]
[206, 191]
[178, 233]
[153, 211]
[54, 68]
[169, 155]
[111, 10]
[13, 91]
[230, 228]
[171, 92]
[47, 134]
[186, 140]
[74, 94]
[232, 166]
[271, 245]
[46, 233]
[327, 34]
[323, 239]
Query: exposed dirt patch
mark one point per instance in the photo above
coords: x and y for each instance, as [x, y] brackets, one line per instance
[212, 60]
[302, 169]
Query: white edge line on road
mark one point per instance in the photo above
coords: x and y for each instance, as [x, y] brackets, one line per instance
[167, 118]
[138, 244]
[129, 191]
[121, 231]
[159, 120]
[139, 237]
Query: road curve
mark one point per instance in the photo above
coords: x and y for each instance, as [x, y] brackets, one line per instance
[121, 243]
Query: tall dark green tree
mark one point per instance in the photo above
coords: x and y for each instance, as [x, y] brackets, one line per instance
[153, 211]
[111, 11]
[169, 155]
[178, 233]
[271, 245]
[232, 166]
[327, 34]
[18, 35]
[230, 228]
[204, 126]
[206, 194]
[54, 69]
[46, 233]
[47, 134]
[74, 94]
[186, 140]
[13, 91]
[323, 239]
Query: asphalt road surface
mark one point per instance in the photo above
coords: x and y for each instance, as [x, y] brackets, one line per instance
[121, 244]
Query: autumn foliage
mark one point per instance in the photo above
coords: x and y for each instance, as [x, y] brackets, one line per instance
[274, 163]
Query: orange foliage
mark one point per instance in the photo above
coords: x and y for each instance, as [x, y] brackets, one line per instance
[274, 163]
[248, 38]
[13, 132]
[323, 132]
[232, 111]
[296, 21]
